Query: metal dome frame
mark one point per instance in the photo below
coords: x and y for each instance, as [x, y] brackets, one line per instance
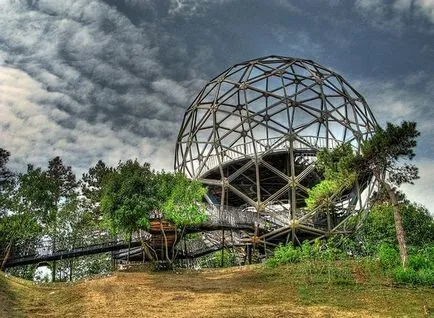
[257, 114]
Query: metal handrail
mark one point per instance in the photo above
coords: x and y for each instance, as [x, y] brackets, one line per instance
[259, 147]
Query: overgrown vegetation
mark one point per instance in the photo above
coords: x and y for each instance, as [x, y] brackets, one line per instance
[375, 243]
[395, 229]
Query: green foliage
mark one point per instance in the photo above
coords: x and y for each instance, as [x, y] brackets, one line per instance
[414, 277]
[181, 199]
[45, 203]
[91, 188]
[7, 182]
[422, 258]
[46, 192]
[387, 149]
[132, 191]
[319, 261]
[336, 166]
[285, 254]
[388, 256]
[321, 193]
[35, 194]
[128, 196]
[61, 179]
[418, 224]
[420, 269]
[386, 152]
[379, 226]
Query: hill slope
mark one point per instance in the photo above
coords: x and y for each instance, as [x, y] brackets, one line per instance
[236, 292]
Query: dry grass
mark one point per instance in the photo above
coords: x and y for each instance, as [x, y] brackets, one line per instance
[252, 291]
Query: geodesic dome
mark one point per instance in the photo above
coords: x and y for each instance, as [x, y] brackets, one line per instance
[252, 134]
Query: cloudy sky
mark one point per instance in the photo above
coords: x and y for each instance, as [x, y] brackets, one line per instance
[94, 79]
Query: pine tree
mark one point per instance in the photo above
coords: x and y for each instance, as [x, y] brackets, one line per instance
[385, 155]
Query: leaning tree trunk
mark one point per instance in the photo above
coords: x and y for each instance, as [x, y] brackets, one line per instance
[7, 253]
[400, 233]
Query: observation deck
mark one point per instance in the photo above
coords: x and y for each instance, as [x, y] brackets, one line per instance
[202, 165]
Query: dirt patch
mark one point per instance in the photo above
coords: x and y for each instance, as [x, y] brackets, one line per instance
[236, 292]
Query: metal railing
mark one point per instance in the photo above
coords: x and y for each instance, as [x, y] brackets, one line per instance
[260, 147]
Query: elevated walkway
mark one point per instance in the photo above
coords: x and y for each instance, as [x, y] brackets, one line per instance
[218, 219]
[66, 254]
[267, 228]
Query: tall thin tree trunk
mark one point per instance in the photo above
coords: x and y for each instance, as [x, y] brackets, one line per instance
[70, 269]
[400, 233]
[166, 248]
[223, 249]
[8, 252]
[53, 268]
[129, 246]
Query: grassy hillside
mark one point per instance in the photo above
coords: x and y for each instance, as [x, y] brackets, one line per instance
[253, 291]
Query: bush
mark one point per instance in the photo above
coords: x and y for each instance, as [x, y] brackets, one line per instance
[419, 262]
[414, 277]
[379, 227]
[420, 269]
[331, 252]
[388, 256]
[284, 254]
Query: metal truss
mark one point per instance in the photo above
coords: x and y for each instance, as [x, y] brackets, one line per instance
[252, 133]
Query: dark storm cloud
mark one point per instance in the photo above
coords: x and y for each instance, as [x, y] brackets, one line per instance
[88, 54]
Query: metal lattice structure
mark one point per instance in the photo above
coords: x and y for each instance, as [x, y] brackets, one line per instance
[252, 133]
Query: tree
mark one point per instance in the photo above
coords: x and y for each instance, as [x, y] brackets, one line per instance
[19, 230]
[46, 194]
[63, 188]
[385, 156]
[63, 183]
[128, 196]
[133, 191]
[35, 194]
[18, 224]
[91, 188]
[181, 203]
[181, 199]
[379, 226]
[7, 181]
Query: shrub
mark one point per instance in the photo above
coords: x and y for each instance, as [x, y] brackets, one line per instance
[413, 277]
[285, 254]
[331, 253]
[308, 251]
[419, 261]
[420, 269]
[379, 227]
[388, 256]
